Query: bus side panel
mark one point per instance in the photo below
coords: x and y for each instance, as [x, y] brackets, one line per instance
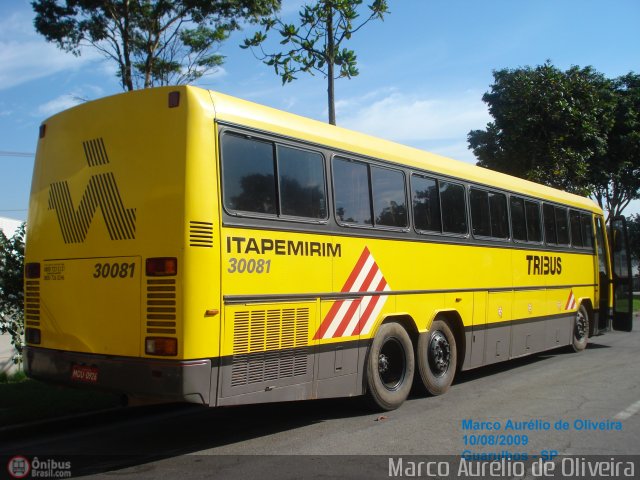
[268, 334]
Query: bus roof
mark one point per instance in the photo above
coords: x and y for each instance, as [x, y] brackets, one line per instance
[241, 112]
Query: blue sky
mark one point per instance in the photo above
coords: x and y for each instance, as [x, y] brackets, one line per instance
[422, 72]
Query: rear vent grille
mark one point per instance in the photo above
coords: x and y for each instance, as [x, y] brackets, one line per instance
[32, 303]
[200, 234]
[161, 306]
[269, 345]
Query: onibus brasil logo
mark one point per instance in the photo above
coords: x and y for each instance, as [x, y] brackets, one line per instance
[102, 193]
[21, 467]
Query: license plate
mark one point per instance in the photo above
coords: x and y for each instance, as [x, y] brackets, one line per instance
[84, 373]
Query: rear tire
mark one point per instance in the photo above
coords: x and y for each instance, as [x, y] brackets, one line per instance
[437, 358]
[390, 367]
[580, 329]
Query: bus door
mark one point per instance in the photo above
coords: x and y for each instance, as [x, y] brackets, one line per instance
[621, 271]
[603, 290]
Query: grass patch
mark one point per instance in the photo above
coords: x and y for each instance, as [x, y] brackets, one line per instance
[636, 303]
[24, 400]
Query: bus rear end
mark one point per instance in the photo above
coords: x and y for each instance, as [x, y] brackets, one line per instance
[120, 236]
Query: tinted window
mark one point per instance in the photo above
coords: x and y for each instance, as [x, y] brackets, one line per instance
[489, 217]
[351, 182]
[389, 198]
[452, 205]
[480, 216]
[499, 215]
[518, 221]
[587, 230]
[562, 226]
[576, 230]
[534, 229]
[302, 185]
[426, 204]
[248, 175]
[550, 224]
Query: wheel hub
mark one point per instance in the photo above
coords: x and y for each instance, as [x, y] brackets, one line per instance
[581, 326]
[391, 364]
[383, 364]
[439, 353]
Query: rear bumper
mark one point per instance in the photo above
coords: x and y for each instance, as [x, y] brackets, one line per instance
[170, 380]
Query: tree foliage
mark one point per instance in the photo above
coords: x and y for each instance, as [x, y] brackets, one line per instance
[615, 176]
[317, 43]
[153, 42]
[11, 287]
[576, 130]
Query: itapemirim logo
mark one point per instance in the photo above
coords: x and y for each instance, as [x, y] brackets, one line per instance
[102, 192]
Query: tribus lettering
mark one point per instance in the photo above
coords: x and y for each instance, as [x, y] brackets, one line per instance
[543, 265]
[265, 246]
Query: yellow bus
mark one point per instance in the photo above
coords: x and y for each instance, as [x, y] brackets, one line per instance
[186, 245]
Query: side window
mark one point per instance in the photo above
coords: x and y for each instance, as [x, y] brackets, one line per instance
[576, 230]
[480, 216]
[550, 234]
[587, 230]
[250, 183]
[352, 199]
[562, 226]
[302, 183]
[534, 228]
[452, 205]
[489, 216]
[389, 197]
[426, 204]
[518, 220]
[248, 175]
[499, 215]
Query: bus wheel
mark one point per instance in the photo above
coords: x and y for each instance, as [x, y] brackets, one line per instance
[580, 329]
[390, 367]
[437, 358]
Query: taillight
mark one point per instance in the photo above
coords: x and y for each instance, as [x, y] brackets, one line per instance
[161, 346]
[162, 267]
[174, 99]
[32, 270]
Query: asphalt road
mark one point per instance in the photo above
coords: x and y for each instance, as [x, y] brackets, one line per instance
[573, 404]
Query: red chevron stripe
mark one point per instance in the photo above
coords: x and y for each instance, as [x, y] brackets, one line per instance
[569, 301]
[356, 271]
[346, 288]
[372, 304]
[354, 306]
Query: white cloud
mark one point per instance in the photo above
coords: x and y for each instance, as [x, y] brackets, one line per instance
[75, 97]
[25, 55]
[414, 117]
[58, 104]
[459, 151]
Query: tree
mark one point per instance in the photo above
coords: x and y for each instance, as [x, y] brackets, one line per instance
[316, 45]
[575, 130]
[547, 124]
[615, 176]
[11, 287]
[153, 42]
